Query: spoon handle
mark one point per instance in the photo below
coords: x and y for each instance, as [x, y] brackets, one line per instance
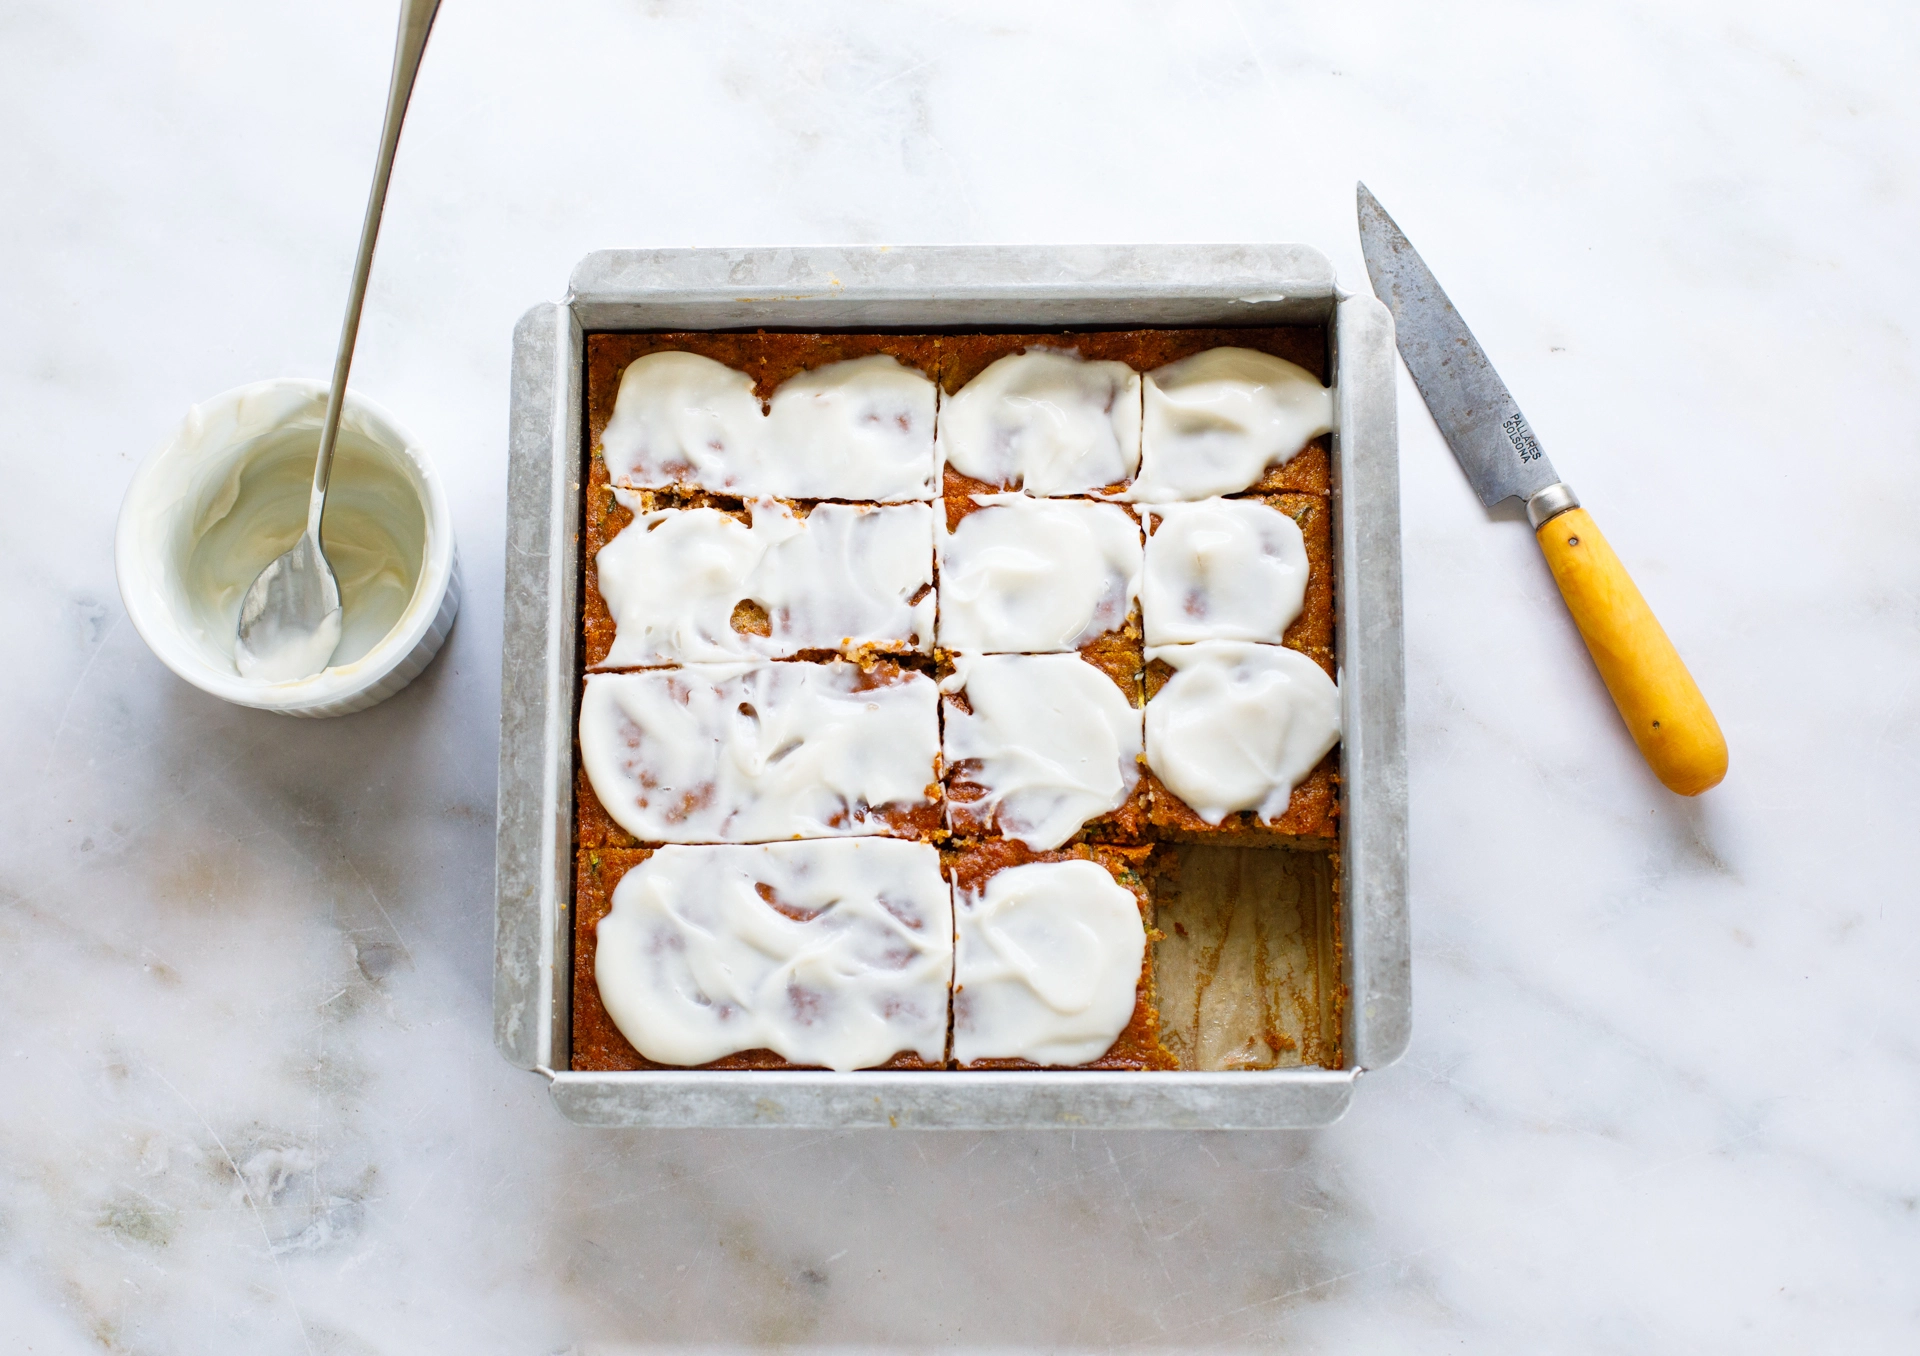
[416, 19]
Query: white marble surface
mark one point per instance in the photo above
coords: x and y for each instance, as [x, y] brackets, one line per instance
[1664, 1093]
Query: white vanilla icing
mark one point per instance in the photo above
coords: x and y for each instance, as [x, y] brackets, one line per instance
[244, 510]
[831, 953]
[1035, 575]
[1238, 726]
[753, 753]
[1046, 965]
[1051, 740]
[854, 574]
[671, 579]
[681, 419]
[1213, 422]
[843, 575]
[1220, 569]
[860, 429]
[1045, 421]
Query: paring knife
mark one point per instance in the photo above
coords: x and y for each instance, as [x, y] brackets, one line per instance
[1490, 438]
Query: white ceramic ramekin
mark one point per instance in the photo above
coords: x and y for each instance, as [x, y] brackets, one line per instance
[176, 489]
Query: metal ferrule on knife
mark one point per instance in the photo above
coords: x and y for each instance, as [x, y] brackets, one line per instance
[1551, 502]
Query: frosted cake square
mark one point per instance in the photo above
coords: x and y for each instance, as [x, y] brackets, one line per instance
[672, 581]
[1042, 748]
[859, 428]
[1052, 962]
[1240, 745]
[965, 358]
[1226, 420]
[1025, 575]
[834, 953]
[1045, 421]
[1255, 568]
[760, 752]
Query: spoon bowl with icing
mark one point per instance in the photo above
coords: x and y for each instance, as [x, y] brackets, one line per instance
[229, 493]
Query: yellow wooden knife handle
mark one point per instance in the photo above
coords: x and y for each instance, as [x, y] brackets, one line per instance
[1657, 697]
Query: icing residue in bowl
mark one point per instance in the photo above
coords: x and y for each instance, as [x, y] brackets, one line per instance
[253, 505]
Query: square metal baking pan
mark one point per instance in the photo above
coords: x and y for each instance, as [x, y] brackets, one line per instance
[937, 287]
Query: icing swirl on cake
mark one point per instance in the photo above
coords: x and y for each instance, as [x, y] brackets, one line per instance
[1045, 421]
[681, 419]
[1037, 575]
[843, 575]
[1220, 569]
[1238, 726]
[752, 753]
[1213, 422]
[1050, 741]
[828, 953]
[1046, 965]
[860, 429]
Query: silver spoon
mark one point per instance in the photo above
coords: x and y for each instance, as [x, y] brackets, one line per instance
[290, 618]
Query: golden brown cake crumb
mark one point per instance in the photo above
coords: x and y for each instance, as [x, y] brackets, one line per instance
[1311, 820]
[593, 827]
[956, 495]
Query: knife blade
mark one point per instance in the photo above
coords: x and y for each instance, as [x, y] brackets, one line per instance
[1662, 706]
[1478, 417]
